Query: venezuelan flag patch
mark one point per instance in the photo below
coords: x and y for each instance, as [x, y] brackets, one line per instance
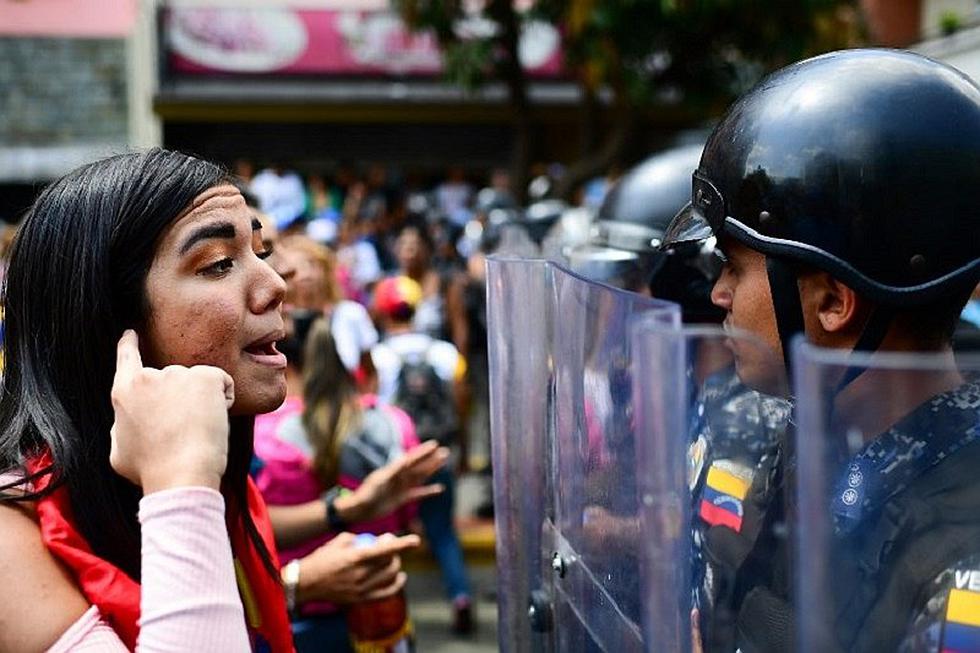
[961, 628]
[721, 503]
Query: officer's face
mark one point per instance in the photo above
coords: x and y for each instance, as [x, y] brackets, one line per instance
[742, 291]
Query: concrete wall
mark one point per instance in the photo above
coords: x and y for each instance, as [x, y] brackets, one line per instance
[63, 102]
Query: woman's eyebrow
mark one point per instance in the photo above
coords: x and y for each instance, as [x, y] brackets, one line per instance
[224, 230]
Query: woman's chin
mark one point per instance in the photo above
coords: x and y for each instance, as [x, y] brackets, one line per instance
[259, 403]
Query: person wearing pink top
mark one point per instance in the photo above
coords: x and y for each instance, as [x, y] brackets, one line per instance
[318, 445]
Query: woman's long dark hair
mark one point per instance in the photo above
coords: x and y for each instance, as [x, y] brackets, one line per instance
[76, 281]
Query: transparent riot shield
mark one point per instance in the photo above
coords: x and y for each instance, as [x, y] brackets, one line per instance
[563, 451]
[712, 411]
[888, 510]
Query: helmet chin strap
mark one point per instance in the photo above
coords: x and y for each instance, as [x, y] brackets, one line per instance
[870, 340]
[785, 292]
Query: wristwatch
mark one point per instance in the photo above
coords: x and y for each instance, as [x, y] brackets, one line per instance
[290, 581]
[334, 522]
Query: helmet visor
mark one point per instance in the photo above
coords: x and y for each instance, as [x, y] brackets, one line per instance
[627, 270]
[700, 219]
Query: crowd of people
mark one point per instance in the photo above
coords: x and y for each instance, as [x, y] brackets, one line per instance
[351, 233]
[229, 401]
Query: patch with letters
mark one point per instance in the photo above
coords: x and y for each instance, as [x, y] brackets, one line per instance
[721, 503]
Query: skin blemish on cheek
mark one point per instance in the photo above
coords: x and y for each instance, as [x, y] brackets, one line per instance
[206, 357]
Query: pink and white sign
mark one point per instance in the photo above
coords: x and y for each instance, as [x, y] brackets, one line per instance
[321, 42]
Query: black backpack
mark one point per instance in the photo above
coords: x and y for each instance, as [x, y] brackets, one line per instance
[425, 396]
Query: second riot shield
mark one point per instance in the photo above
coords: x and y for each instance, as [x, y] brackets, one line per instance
[713, 412]
[888, 510]
[563, 445]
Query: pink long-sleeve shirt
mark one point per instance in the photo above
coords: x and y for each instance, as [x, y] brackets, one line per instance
[189, 598]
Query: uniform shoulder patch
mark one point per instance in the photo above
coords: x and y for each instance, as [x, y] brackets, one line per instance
[721, 503]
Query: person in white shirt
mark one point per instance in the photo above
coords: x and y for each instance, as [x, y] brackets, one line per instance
[435, 417]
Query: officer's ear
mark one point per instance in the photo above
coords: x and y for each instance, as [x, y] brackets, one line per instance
[834, 314]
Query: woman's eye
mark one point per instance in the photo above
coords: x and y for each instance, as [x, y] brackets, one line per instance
[218, 267]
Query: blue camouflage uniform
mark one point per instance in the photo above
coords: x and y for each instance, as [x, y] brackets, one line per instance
[905, 551]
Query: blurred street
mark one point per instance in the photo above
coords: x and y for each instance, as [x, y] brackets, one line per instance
[432, 618]
[430, 611]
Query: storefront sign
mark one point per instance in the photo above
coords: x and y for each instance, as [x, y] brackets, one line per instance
[280, 40]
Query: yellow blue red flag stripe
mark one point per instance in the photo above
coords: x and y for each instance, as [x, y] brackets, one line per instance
[721, 502]
[961, 630]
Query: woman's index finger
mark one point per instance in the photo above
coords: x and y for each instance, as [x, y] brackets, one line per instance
[389, 547]
[128, 359]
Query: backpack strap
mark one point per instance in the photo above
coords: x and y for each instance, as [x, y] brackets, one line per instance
[422, 355]
[376, 444]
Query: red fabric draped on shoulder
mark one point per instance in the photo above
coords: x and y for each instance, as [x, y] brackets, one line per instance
[118, 596]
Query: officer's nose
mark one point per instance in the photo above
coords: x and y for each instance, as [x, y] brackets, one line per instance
[721, 293]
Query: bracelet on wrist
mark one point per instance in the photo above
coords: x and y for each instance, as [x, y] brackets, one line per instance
[290, 583]
[335, 523]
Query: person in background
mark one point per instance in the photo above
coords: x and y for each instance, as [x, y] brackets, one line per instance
[244, 170]
[319, 447]
[466, 308]
[423, 376]
[322, 199]
[358, 256]
[446, 259]
[316, 287]
[413, 250]
[454, 196]
[345, 574]
[281, 195]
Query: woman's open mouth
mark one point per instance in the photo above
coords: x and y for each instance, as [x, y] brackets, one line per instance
[264, 352]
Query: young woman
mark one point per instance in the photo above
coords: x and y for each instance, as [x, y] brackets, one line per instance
[299, 451]
[326, 442]
[413, 250]
[140, 332]
[315, 288]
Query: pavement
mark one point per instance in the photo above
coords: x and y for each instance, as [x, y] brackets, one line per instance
[433, 618]
[428, 605]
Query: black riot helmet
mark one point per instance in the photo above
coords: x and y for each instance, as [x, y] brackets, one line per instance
[624, 246]
[637, 210]
[861, 163]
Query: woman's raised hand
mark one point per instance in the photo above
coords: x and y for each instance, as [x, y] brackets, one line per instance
[399, 482]
[171, 425]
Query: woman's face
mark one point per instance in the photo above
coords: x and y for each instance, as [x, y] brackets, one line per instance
[308, 286]
[214, 301]
[410, 250]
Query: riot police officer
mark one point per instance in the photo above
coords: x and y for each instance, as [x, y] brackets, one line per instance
[844, 192]
[623, 249]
